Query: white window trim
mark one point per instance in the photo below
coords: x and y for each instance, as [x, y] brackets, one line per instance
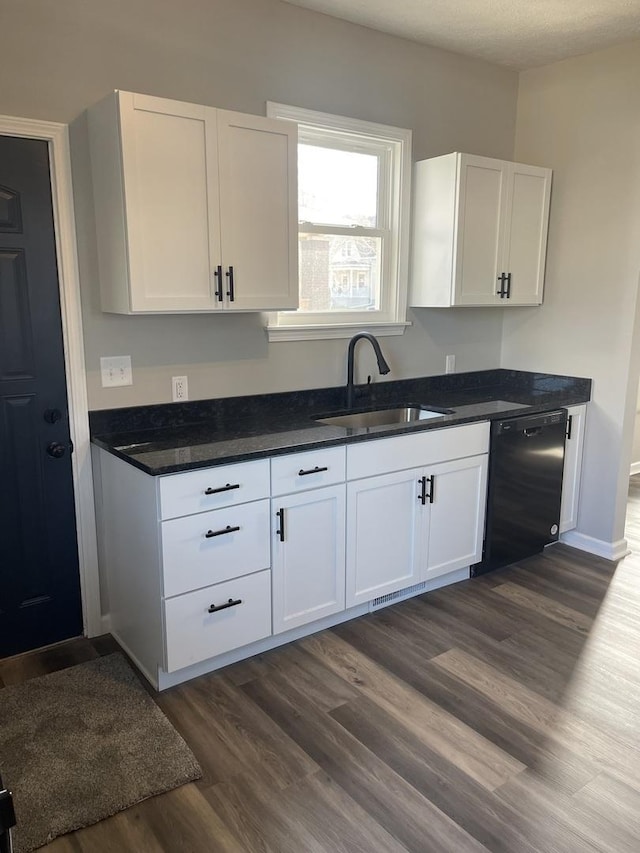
[292, 326]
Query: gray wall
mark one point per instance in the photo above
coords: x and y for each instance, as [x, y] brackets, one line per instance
[581, 117]
[65, 55]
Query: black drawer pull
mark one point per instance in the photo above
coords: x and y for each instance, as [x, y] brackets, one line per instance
[316, 470]
[226, 488]
[569, 425]
[231, 603]
[280, 531]
[422, 497]
[228, 529]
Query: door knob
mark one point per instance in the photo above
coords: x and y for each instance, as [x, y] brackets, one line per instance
[56, 450]
[52, 416]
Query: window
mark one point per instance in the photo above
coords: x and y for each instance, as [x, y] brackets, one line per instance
[354, 180]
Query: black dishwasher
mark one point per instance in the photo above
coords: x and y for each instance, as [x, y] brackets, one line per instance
[525, 488]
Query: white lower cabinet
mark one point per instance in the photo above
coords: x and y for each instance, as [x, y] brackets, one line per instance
[214, 620]
[410, 526]
[308, 556]
[572, 467]
[386, 537]
[205, 567]
[456, 515]
[308, 536]
[212, 547]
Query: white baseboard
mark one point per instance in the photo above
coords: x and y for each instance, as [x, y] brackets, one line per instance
[609, 550]
[635, 468]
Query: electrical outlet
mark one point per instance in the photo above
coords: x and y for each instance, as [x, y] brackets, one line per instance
[179, 389]
[116, 370]
[450, 364]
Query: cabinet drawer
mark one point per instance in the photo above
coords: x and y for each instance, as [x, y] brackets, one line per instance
[301, 471]
[210, 488]
[199, 550]
[416, 450]
[194, 634]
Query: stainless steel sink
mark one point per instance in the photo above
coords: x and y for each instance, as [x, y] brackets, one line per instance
[384, 417]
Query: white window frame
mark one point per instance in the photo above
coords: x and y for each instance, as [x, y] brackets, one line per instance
[395, 204]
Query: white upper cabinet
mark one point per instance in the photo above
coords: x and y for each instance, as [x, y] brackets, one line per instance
[196, 208]
[480, 232]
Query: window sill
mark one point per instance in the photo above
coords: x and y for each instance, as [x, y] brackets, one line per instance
[332, 331]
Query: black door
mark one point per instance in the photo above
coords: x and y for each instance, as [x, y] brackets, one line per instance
[39, 577]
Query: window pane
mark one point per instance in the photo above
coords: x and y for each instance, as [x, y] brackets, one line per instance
[339, 273]
[337, 187]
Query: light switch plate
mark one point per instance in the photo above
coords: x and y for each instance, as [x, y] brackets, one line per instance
[450, 364]
[116, 370]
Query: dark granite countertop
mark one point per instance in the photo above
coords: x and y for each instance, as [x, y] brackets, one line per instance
[171, 437]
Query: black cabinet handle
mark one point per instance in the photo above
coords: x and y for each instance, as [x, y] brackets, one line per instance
[218, 275]
[280, 531]
[502, 279]
[231, 603]
[432, 487]
[316, 470]
[422, 497]
[569, 425]
[231, 291]
[508, 285]
[228, 529]
[226, 488]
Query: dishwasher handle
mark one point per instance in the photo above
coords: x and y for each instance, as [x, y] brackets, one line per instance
[531, 431]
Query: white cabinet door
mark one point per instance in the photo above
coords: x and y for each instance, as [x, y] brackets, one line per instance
[572, 467]
[196, 208]
[480, 232]
[482, 198]
[456, 514]
[258, 210]
[525, 232]
[386, 543]
[156, 204]
[308, 556]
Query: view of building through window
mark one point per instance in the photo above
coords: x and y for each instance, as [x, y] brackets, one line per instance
[339, 273]
[337, 204]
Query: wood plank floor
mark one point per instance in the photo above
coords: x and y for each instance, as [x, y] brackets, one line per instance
[502, 714]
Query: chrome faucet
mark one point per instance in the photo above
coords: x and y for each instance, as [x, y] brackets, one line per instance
[383, 367]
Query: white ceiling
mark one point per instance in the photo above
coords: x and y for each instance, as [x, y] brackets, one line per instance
[516, 33]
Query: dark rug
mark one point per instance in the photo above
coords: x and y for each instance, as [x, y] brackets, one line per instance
[84, 743]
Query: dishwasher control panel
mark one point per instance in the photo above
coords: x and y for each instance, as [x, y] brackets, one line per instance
[530, 422]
